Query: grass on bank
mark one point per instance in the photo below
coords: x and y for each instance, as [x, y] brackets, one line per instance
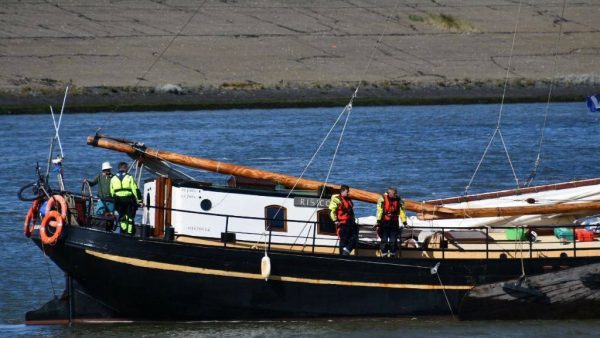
[445, 22]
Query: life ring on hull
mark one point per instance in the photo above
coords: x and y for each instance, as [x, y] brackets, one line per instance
[52, 220]
[30, 218]
[52, 205]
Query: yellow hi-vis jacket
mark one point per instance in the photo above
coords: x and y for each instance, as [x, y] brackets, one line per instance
[124, 187]
[334, 206]
[401, 213]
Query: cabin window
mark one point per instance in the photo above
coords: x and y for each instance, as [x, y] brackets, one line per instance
[325, 225]
[275, 218]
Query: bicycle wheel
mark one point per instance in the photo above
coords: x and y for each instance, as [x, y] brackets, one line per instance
[86, 192]
[30, 192]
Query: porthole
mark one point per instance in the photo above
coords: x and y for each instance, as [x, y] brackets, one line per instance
[206, 204]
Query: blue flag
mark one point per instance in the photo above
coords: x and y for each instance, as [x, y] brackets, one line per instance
[593, 102]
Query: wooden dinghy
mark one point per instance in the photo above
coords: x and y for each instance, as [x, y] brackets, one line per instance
[569, 293]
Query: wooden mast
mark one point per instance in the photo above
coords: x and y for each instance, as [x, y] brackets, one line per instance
[428, 211]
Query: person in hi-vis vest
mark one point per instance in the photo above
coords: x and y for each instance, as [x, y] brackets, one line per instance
[342, 214]
[127, 197]
[390, 212]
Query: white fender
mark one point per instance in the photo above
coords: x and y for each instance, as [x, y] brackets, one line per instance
[265, 267]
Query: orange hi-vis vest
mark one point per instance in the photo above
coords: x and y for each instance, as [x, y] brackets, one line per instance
[391, 208]
[345, 211]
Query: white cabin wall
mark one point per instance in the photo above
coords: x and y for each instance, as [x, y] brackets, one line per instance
[148, 215]
[240, 204]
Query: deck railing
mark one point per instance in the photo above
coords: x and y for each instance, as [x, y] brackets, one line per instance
[446, 242]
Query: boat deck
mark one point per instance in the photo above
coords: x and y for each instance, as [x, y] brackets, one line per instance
[417, 242]
[494, 247]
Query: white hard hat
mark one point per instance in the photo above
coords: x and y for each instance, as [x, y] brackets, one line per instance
[106, 166]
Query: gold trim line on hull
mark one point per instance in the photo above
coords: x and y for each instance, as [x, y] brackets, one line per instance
[224, 273]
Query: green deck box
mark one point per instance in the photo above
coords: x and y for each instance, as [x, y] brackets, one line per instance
[564, 233]
[516, 234]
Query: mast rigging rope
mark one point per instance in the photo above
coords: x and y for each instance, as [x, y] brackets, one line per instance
[538, 158]
[143, 77]
[497, 131]
[347, 108]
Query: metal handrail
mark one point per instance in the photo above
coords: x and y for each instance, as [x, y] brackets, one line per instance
[443, 229]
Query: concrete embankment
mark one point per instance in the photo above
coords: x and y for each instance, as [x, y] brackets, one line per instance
[164, 55]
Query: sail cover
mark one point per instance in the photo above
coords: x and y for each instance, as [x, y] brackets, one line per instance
[554, 194]
[162, 168]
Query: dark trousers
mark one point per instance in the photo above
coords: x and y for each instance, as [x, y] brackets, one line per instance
[348, 236]
[126, 207]
[389, 236]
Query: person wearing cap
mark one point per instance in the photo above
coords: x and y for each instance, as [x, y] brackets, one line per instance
[390, 212]
[127, 196]
[105, 203]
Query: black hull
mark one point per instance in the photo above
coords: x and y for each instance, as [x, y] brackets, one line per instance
[73, 305]
[159, 280]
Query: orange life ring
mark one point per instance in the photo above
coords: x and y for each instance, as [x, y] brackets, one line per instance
[36, 206]
[30, 218]
[61, 201]
[29, 223]
[52, 219]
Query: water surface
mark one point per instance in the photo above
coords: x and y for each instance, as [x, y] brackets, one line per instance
[428, 152]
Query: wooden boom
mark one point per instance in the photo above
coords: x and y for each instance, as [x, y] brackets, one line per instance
[248, 172]
[426, 210]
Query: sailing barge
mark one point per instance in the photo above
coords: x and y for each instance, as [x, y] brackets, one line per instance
[199, 252]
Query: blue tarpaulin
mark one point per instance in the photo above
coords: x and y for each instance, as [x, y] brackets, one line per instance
[593, 102]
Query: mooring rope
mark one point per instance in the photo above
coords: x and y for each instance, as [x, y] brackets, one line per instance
[444, 291]
[49, 273]
[44, 251]
[374, 262]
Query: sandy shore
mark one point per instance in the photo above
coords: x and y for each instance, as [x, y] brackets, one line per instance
[179, 54]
